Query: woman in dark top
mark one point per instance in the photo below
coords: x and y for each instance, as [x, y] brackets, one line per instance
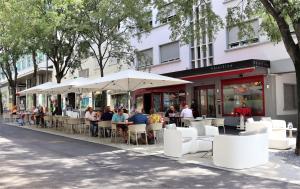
[171, 115]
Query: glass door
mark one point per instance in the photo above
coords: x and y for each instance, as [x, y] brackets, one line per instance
[156, 102]
[205, 100]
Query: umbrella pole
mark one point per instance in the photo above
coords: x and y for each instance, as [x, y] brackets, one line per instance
[128, 101]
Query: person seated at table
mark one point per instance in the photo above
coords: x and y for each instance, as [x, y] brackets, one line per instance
[125, 113]
[107, 115]
[119, 117]
[92, 117]
[186, 112]
[138, 117]
[14, 110]
[171, 112]
[153, 118]
[39, 116]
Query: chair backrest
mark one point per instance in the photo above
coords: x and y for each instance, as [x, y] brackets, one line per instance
[114, 126]
[47, 118]
[217, 122]
[73, 121]
[207, 121]
[87, 122]
[156, 126]
[106, 124]
[186, 121]
[137, 128]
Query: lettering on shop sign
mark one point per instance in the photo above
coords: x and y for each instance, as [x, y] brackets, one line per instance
[221, 67]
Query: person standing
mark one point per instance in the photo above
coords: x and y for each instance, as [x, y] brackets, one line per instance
[186, 112]
[92, 117]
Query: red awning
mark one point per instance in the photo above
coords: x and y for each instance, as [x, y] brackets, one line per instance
[219, 74]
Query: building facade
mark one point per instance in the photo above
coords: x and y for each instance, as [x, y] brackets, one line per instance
[227, 72]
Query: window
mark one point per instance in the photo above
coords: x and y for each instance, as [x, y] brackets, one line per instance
[203, 47]
[244, 92]
[145, 58]
[169, 52]
[176, 99]
[84, 73]
[168, 15]
[235, 41]
[290, 96]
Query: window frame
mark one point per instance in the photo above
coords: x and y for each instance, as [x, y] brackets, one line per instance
[242, 42]
[171, 60]
[138, 62]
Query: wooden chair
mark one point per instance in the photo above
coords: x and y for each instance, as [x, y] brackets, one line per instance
[103, 126]
[114, 131]
[72, 124]
[87, 126]
[136, 129]
[156, 128]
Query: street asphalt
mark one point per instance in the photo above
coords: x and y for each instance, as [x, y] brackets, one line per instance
[32, 159]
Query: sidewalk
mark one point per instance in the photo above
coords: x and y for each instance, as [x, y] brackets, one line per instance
[284, 165]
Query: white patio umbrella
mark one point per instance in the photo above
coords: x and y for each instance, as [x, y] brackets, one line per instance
[68, 86]
[131, 80]
[38, 88]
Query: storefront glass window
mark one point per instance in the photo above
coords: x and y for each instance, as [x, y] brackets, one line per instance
[243, 94]
[156, 102]
[119, 100]
[176, 99]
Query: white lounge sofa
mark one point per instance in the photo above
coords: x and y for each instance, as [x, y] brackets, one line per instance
[179, 141]
[240, 152]
[276, 133]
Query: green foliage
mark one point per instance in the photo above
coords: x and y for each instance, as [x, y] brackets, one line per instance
[190, 19]
[108, 25]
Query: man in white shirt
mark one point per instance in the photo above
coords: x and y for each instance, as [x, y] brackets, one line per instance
[186, 112]
[92, 117]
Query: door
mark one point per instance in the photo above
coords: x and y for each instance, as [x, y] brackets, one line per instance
[205, 100]
[147, 103]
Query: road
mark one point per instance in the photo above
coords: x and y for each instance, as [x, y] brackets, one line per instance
[32, 159]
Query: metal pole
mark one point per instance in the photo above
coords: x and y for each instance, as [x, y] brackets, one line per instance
[47, 77]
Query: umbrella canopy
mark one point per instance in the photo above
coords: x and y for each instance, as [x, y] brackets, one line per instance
[131, 80]
[38, 88]
[68, 86]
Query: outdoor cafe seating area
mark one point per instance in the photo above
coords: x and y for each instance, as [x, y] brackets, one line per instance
[195, 135]
[207, 136]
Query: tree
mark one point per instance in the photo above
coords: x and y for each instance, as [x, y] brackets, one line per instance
[57, 22]
[11, 44]
[30, 33]
[107, 27]
[280, 22]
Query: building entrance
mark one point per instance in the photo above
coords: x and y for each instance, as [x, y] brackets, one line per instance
[205, 100]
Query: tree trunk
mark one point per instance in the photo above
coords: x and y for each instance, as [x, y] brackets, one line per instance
[58, 80]
[35, 67]
[297, 69]
[1, 105]
[14, 95]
